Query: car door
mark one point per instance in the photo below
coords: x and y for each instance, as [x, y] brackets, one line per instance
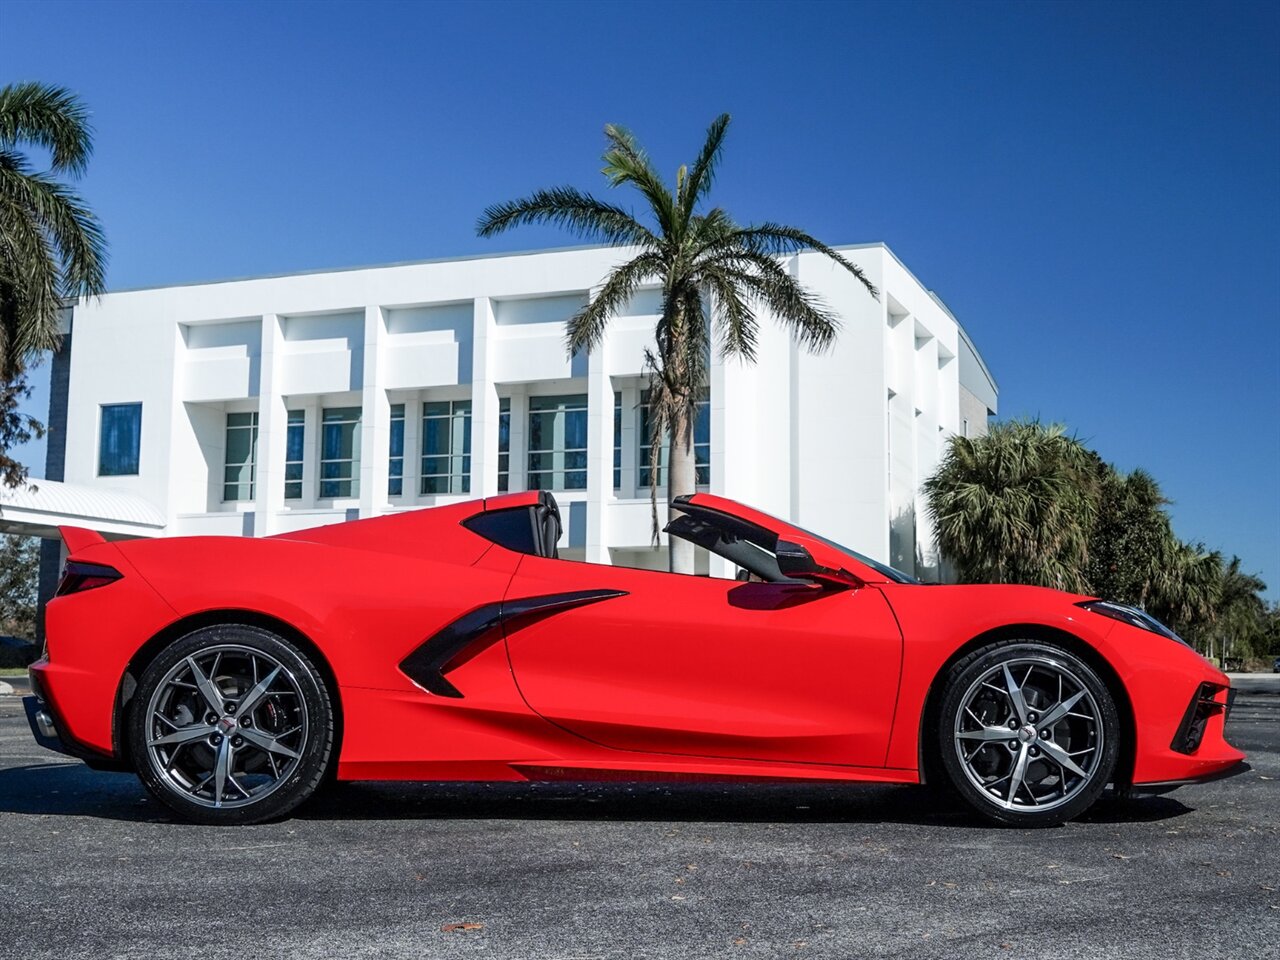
[666, 663]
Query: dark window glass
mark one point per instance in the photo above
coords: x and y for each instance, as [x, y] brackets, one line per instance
[294, 445]
[701, 443]
[119, 439]
[504, 444]
[512, 528]
[558, 443]
[340, 452]
[446, 447]
[395, 468]
[240, 468]
[617, 440]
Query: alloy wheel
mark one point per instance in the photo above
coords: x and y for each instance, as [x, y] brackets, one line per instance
[226, 726]
[1029, 734]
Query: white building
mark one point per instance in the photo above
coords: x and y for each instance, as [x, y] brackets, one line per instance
[271, 404]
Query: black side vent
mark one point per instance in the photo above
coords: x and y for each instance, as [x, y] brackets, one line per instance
[1204, 705]
[461, 639]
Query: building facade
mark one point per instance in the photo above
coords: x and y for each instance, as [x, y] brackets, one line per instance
[258, 406]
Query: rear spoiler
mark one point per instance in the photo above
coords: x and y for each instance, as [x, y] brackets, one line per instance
[78, 538]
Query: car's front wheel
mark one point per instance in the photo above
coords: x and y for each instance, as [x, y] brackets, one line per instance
[230, 725]
[1028, 733]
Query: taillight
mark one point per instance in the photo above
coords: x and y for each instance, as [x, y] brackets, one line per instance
[78, 577]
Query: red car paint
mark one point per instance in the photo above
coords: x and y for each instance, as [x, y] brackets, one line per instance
[670, 677]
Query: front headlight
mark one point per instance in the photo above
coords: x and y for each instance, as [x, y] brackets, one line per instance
[1132, 616]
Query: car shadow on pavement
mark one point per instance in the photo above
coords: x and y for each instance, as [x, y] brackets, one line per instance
[74, 790]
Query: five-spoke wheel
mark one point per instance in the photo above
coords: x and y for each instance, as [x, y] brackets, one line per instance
[1027, 733]
[231, 724]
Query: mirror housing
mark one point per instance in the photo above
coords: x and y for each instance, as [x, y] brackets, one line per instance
[795, 561]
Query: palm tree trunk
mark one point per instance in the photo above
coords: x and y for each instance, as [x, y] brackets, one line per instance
[682, 480]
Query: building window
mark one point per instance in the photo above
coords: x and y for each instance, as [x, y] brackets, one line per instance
[240, 467]
[701, 443]
[504, 444]
[617, 440]
[558, 443]
[395, 467]
[340, 452]
[964, 428]
[446, 446]
[119, 439]
[294, 443]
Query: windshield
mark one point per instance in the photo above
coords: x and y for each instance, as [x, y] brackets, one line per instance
[897, 576]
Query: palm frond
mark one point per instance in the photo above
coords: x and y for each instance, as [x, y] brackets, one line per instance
[51, 117]
[587, 326]
[778, 239]
[702, 174]
[802, 312]
[625, 162]
[73, 229]
[735, 319]
[29, 288]
[572, 210]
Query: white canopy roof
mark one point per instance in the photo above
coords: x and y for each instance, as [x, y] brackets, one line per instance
[44, 505]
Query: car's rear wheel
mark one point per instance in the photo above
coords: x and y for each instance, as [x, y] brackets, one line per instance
[1027, 733]
[231, 725]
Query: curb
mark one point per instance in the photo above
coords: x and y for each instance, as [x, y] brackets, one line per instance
[15, 687]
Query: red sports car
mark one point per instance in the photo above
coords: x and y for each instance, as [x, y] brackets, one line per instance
[235, 675]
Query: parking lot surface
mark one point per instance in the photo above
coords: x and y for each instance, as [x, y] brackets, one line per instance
[90, 866]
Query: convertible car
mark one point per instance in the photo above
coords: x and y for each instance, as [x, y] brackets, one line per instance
[236, 675]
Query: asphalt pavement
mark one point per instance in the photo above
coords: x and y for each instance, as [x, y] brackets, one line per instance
[90, 866]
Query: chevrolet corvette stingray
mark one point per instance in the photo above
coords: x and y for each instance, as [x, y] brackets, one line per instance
[452, 643]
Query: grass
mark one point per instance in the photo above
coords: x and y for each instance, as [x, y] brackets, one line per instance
[13, 671]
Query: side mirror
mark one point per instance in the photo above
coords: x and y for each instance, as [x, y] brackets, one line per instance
[795, 561]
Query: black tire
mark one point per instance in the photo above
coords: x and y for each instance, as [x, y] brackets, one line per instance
[274, 756]
[982, 769]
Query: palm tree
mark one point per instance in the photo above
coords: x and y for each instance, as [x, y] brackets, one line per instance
[1239, 620]
[1015, 506]
[1186, 587]
[51, 246]
[1131, 535]
[714, 274]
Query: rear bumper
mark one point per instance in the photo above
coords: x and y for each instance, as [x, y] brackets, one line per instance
[43, 727]
[50, 731]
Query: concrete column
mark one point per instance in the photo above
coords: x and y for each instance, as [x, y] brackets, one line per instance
[375, 419]
[599, 453]
[484, 403]
[412, 451]
[310, 452]
[720, 376]
[631, 452]
[273, 429]
[519, 439]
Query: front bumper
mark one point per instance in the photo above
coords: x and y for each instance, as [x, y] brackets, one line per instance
[1182, 734]
[1155, 789]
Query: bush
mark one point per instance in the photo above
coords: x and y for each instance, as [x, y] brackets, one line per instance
[16, 653]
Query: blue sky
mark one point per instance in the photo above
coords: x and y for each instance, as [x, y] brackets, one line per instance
[1093, 188]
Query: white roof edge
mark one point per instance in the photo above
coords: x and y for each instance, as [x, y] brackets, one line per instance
[538, 252]
[412, 263]
[964, 335]
[76, 504]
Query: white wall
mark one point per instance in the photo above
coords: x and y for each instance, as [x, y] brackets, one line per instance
[814, 438]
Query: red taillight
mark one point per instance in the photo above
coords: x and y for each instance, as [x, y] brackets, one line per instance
[78, 577]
